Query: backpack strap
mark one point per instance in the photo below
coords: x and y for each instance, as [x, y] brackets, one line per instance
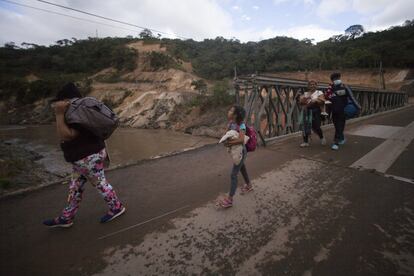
[73, 100]
[351, 97]
[238, 126]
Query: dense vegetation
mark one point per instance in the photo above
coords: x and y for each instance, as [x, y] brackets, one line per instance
[211, 58]
[162, 61]
[216, 58]
[220, 95]
[67, 60]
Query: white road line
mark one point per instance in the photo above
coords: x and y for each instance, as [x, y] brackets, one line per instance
[376, 131]
[383, 156]
[399, 178]
[142, 223]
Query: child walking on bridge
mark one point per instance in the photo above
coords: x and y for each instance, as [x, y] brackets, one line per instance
[236, 116]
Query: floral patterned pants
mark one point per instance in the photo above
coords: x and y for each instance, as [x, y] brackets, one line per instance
[89, 168]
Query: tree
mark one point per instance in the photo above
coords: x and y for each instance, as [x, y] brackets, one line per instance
[307, 40]
[354, 31]
[145, 34]
[64, 42]
[408, 23]
[221, 96]
[161, 61]
[29, 45]
[10, 45]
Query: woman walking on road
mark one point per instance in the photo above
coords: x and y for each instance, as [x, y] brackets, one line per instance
[86, 152]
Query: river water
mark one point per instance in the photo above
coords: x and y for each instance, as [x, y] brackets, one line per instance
[126, 145]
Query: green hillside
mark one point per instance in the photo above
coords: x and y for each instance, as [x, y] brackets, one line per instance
[211, 58]
[216, 58]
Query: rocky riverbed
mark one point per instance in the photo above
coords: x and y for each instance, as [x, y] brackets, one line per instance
[22, 166]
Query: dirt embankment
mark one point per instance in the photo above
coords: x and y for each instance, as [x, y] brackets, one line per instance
[395, 78]
[149, 98]
[146, 97]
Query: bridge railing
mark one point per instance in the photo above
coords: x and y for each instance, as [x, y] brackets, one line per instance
[271, 106]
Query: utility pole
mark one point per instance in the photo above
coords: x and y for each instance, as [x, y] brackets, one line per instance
[236, 87]
[381, 79]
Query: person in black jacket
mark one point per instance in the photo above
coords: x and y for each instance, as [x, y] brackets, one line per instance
[86, 152]
[341, 95]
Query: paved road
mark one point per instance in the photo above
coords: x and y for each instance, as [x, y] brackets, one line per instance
[313, 212]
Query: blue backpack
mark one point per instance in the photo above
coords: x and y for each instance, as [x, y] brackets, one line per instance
[351, 110]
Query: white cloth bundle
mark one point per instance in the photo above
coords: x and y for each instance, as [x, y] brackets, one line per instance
[236, 151]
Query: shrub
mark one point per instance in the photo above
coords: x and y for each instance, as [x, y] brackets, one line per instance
[200, 86]
[109, 103]
[162, 61]
[220, 97]
[39, 89]
[110, 78]
[124, 58]
[5, 183]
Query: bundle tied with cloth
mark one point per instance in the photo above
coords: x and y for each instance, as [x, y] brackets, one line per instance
[236, 151]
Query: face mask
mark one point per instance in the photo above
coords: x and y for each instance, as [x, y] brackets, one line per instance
[337, 82]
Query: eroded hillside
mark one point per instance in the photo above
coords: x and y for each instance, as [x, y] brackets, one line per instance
[159, 91]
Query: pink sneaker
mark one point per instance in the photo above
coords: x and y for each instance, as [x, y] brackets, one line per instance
[226, 203]
[246, 188]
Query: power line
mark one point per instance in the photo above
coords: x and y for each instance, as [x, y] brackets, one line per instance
[107, 18]
[62, 14]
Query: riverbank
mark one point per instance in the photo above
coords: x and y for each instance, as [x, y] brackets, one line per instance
[30, 156]
[20, 168]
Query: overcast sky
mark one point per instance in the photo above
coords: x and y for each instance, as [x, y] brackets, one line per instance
[246, 20]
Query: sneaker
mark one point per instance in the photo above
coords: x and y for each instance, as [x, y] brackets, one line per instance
[324, 114]
[246, 189]
[304, 145]
[323, 141]
[226, 203]
[335, 147]
[328, 102]
[112, 215]
[341, 142]
[58, 222]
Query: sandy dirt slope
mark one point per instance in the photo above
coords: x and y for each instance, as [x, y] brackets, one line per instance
[146, 97]
[394, 78]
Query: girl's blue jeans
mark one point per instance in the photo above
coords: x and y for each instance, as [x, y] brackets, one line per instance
[241, 167]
